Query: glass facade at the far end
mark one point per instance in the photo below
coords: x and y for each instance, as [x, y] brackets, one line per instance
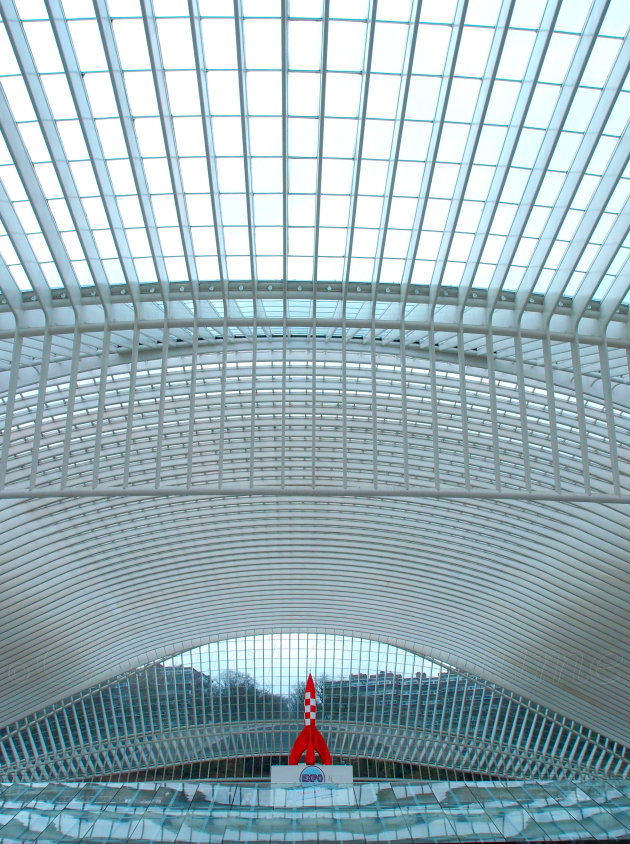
[377, 811]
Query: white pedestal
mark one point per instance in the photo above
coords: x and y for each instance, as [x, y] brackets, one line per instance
[311, 774]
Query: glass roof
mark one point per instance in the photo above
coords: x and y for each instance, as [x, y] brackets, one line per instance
[472, 145]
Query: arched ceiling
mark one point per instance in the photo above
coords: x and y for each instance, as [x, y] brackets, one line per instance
[316, 317]
[257, 518]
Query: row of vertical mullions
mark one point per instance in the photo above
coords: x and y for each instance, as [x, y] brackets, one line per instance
[477, 123]
[116, 79]
[523, 721]
[10, 407]
[242, 89]
[523, 393]
[431, 156]
[41, 403]
[590, 138]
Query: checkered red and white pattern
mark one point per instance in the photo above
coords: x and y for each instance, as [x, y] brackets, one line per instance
[310, 709]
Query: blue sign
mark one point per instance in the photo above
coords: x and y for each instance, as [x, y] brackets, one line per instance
[312, 775]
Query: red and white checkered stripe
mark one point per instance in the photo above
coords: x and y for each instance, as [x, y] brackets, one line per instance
[310, 709]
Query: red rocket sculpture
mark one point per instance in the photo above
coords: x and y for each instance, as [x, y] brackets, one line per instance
[310, 739]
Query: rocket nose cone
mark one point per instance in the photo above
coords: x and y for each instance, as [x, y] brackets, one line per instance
[310, 685]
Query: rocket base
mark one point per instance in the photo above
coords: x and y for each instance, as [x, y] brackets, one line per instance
[305, 775]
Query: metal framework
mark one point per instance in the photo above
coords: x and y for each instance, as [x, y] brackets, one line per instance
[316, 315]
[239, 698]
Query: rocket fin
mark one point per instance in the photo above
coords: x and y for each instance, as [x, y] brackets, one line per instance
[321, 747]
[299, 747]
[310, 739]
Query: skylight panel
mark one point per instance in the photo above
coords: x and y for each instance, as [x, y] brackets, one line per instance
[12, 183]
[368, 211]
[26, 217]
[301, 210]
[502, 102]
[474, 49]
[262, 43]
[240, 268]
[462, 100]
[189, 136]
[95, 212]
[304, 93]
[264, 92]
[332, 241]
[105, 243]
[268, 209]
[396, 243]
[145, 269]
[48, 180]
[528, 148]
[208, 268]
[469, 216]
[52, 274]
[414, 145]
[227, 136]
[337, 176]
[183, 95]
[460, 247]
[140, 92]
[536, 221]
[236, 240]
[388, 51]
[18, 98]
[265, 136]
[164, 210]
[558, 57]
[204, 241]
[19, 276]
[346, 45]
[516, 53]
[223, 92]
[301, 240]
[340, 137]
[299, 268]
[157, 175]
[176, 48]
[176, 268]
[334, 210]
[87, 45]
[149, 135]
[431, 49]
[303, 134]
[131, 44]
[330, 269]
[7, 250]
[111, 138]
[59, 96]
[43, 46]
[269, 240]
[194, 172]
[383, 95]
[377, 138]
[234, 209]
[121, 176]
[130, 211]
[581, 110]
[364, 242]
[436, 213]
[402, 212]
[343, 94]
[453, 142]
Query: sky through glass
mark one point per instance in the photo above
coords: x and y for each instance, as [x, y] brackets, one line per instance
[477, 146]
